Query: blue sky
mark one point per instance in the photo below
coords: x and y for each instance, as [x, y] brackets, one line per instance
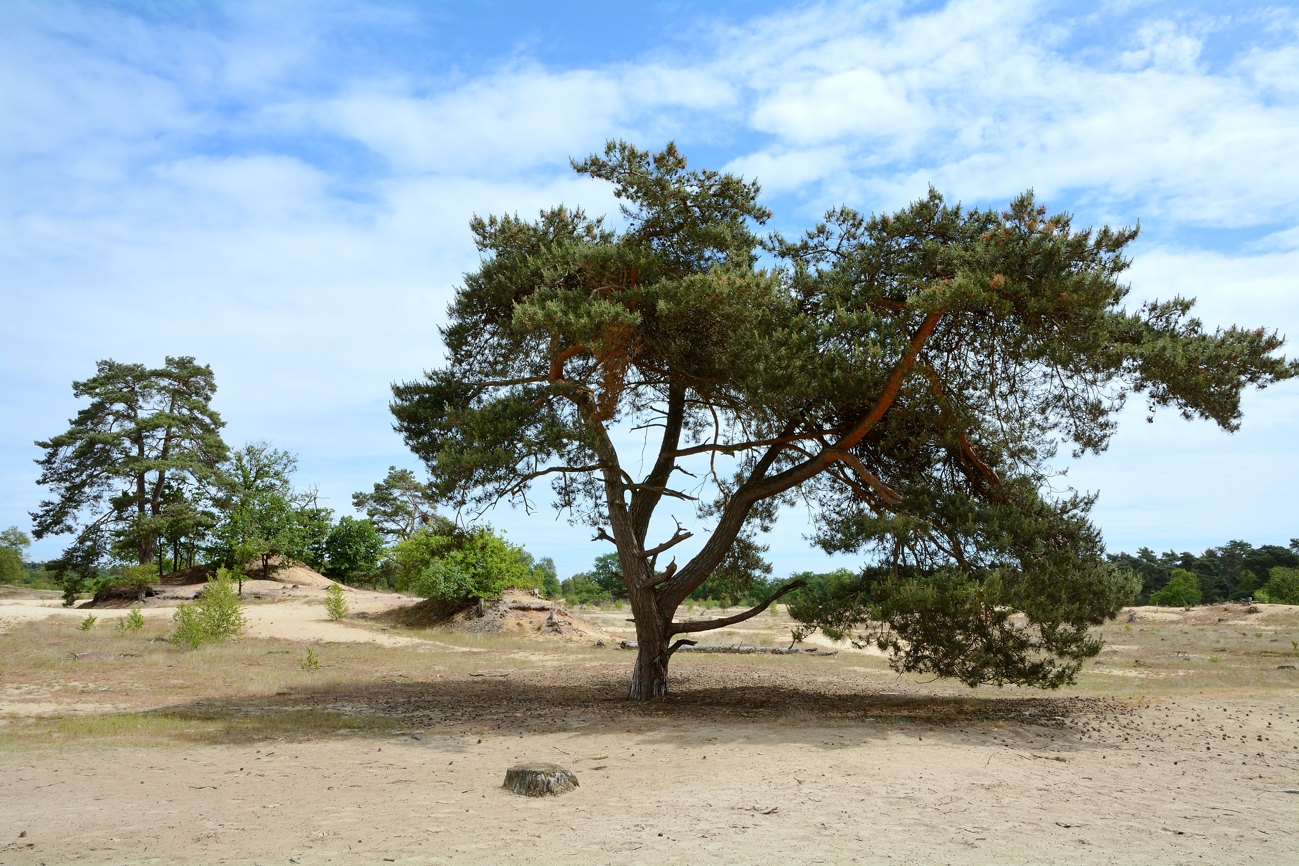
[282, 190]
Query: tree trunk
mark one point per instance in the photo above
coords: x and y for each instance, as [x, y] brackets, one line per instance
[650, 677]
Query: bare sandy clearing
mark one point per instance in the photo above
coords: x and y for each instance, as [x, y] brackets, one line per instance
[674, 789]
[117, 750]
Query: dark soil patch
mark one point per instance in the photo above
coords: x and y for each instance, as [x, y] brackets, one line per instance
[593, 695]
[118, 597]
[188, 576]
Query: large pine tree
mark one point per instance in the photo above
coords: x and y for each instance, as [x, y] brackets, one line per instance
[129, 462]
[910, 375]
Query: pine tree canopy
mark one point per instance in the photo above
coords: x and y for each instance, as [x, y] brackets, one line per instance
[125, 470]
[911, 376]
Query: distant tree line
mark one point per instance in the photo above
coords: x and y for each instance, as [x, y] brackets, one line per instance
[144, 485]
[1235, 570]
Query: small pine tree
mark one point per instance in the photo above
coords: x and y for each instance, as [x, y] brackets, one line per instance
[217, 615]
[335, 604]
[88, 623]
[133, 621]
[310, 662]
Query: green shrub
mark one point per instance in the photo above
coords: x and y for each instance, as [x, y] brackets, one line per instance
[216, 616]
[335, 604]
[133, 621]
[580, 590]
[1282, 587]
[483, 566]
[88, 623]
[136, 577]
[1182, 590]
[310, 662]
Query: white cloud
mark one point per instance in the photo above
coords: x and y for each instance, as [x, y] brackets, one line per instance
[972, 98]
[224, 191]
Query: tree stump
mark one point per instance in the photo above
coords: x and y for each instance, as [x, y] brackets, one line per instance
[538, 780]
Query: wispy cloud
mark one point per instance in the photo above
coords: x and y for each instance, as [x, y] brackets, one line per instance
[283, 191]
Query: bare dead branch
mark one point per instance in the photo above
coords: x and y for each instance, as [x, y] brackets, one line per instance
[679, 535]
[501, 383]
[679, 644]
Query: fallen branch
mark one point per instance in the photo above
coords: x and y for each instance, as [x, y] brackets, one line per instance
[739, 649]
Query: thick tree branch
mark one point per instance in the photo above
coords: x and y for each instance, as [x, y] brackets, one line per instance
[557, 363]
[888, 494]
[709, 624]
[678, 536]
[760, 487]
[645, 499]
[984, 469]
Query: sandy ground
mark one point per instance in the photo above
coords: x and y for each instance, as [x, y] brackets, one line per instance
[751, 760]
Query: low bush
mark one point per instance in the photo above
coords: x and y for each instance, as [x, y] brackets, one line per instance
[483, 565]
[133, 621]
[217, 615]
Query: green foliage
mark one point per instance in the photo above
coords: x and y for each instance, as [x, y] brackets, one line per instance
[335, 604]
[409, 557]
[215, 617]
[482, 565]
[1228, 571]
[133, 621]
[88, 623]
[949, 623]
[549, 577]
[910, 375]
[147, 441]
[400, 505]
[606, 574]
[136, 577]
[13, 548]
[1246, 584]
[352, 550]
[1282, 587]
[310, 662]
[263, 517]
[583, 590]
[744, 577]
[1182, 590]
